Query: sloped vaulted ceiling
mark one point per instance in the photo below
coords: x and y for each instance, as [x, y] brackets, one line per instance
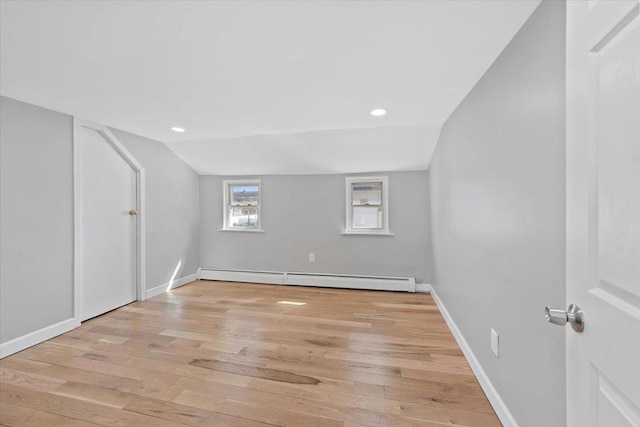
[260, 86]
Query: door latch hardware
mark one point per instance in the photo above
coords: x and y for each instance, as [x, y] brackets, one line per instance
[573, 315]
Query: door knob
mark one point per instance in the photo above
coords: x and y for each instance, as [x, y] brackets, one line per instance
[133, 212]
[573, 315]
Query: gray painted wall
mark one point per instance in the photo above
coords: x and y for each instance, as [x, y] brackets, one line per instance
[36, 218]
[36, 222]
[172, 199]
[498, 210]
[306, 213]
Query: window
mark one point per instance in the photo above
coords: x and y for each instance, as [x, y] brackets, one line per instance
[242, 205]
[367, 205]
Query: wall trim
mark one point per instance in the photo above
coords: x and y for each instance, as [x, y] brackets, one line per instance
[157, 290]
[18, 344]
[496, 401]
[349, 281]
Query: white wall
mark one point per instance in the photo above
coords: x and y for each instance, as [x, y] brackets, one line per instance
[36, 222]
[306, 213]
[498, 210]
[36, 218]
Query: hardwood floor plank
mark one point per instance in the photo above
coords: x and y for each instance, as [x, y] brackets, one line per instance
[274, 415]
[187, 415]
[227, 354]
[458, 366]
[261, 397]
[210, 342]
[92, 393]
[17, 416]
[18, 364]
[363, 418]
[76, 409]
[27, 380]
[126, 385]
[253, 371]
[198, 400]
[104, 367]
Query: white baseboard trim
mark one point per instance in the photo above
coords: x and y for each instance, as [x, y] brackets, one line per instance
[347, 281]
[157, 290]
[496, 401]
[18, 344]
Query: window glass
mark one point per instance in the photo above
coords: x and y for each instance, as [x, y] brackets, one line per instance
[240, 216]
[367, 217]
[242, 205]
[244, 195]
[367, 193]
[367, 205]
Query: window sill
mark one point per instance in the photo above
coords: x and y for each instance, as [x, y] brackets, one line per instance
[253, 230]
[365, 233]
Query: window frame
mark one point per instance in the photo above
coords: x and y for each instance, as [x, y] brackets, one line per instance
[349, 229]
[226, 202]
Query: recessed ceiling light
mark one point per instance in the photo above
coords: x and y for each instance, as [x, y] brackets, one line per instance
[378, 112]
[178, 129]
[292, 303]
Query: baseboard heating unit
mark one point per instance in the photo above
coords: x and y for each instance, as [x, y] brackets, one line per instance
[376, 283]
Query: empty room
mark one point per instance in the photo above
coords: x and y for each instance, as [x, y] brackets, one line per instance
[320, 213]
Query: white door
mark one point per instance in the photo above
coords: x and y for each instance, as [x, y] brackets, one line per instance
[603, 212]
[107, 240]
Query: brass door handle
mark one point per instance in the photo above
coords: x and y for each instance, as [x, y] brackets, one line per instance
[133, 212]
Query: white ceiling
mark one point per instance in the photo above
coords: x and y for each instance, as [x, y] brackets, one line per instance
[330, 151]
[268, 86]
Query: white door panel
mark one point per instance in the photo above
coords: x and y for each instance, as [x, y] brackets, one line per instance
[107, 191]
[603, 212]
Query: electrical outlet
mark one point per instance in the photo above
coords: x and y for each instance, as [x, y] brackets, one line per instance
[312, 257]
[495, 347]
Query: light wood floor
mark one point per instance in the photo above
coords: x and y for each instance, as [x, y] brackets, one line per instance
[228, 354]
